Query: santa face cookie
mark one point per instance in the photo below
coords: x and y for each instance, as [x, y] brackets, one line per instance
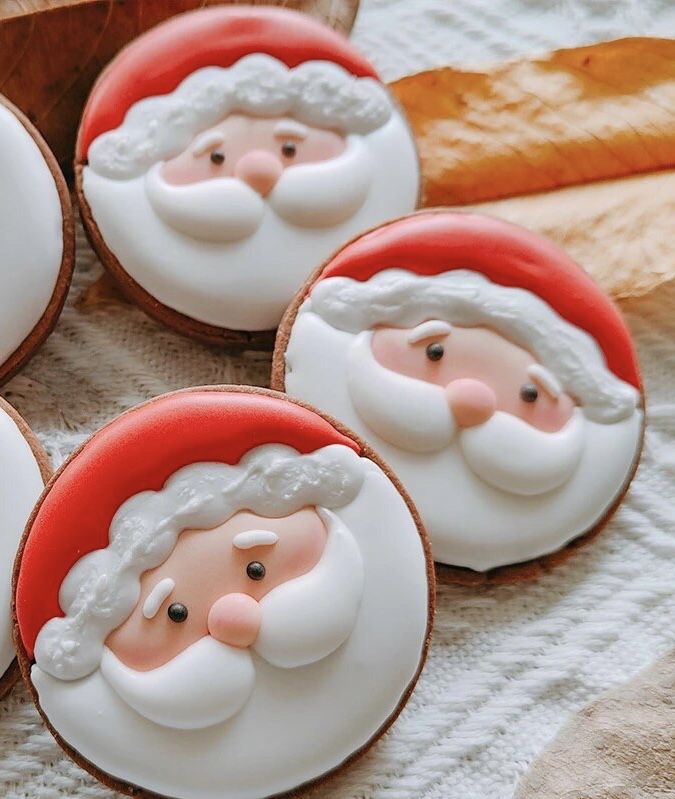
[36, 240]
[24, 467]
[206, 582]
[488, 370]
[226, 153]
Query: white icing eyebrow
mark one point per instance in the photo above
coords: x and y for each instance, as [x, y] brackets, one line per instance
[254, 538]
[289, 127]
[545, 378]
[434, 327]
[206, 141]
[153, 601]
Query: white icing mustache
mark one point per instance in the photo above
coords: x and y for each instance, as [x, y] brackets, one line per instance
[408, 413]
[325, 193]
[313, 195]
[218, 210]
[303, 620]
[414, 415]
[510, 454]
[205, 684]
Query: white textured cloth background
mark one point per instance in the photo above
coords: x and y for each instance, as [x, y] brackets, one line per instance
[508, 665]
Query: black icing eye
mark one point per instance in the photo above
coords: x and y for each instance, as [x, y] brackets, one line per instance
[289, 149]
[177, 612]
[435, 351]
[217, 157]
[255, 570]
[529, 392]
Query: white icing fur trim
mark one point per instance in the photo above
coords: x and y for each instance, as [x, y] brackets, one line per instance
[254, 538]
[102, 588]
[401, 298]
[318, 93]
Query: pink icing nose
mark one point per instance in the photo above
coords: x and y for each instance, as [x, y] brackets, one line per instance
[234, 619]
[260, 170]
[471, 401]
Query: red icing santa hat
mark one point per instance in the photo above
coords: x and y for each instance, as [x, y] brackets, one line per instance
[138, 452]
[345, 92]
[428, 244]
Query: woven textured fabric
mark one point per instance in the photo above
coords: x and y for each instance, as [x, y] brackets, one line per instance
[508, 666]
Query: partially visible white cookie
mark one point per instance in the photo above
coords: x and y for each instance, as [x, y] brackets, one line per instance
[36, 240]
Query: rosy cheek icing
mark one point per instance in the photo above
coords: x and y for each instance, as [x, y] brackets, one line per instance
[212, 581]
[474, 356]
[243, 136]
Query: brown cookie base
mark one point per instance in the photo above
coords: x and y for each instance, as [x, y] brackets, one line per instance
[446, 573]
[12, 673]
[25, 663]
[231, 340]
[48, 320]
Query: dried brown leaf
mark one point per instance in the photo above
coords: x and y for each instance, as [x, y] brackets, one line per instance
[577, 144]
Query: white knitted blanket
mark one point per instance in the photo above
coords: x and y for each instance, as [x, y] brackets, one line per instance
[508, 665]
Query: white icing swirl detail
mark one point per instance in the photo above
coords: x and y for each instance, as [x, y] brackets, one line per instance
[318, 93]
[102, 588]
[254, 538]
[401, 298]
[159, 593]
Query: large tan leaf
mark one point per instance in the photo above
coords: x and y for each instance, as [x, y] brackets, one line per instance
[577, 144]
[52, 50]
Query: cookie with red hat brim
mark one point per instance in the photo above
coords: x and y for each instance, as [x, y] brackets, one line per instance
[224, 154]
[489, 371]
[26, 468]
[208, 579]
[37, 240]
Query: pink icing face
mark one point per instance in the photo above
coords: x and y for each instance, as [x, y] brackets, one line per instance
[219, 576]
[480, 370]
[255, 150]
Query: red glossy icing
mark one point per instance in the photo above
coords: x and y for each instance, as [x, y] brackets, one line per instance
[158, 61]
[137, 451]
[430, 243]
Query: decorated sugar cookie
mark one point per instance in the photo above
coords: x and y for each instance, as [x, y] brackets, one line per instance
[227, 152]
[221, 595]
[24, 467]
[36, 240]
[489, 371]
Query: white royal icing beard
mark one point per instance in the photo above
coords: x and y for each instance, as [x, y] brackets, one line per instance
[471, 521]
[20, 487]
[262, 749]
[246, 284]
[31, 234]
[303, 621]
